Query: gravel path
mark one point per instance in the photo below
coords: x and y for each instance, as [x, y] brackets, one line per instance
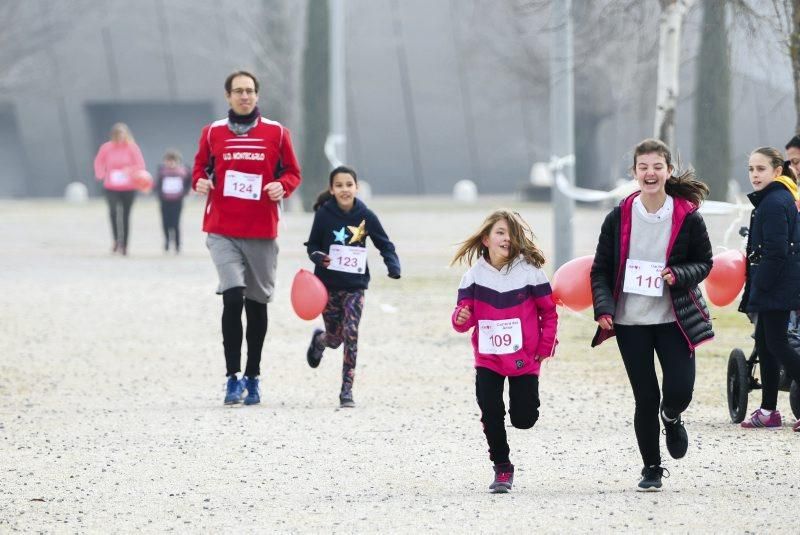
[111, 415]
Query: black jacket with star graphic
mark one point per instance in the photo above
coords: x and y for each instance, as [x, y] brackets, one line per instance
[332, 226]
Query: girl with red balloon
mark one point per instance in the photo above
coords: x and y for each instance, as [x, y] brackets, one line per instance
[337, 246]
[772, 287]
[506, 299]
[652, 253]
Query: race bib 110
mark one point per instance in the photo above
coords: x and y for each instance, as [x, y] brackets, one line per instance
[643, 278]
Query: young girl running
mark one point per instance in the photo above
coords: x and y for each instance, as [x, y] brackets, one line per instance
[337, 246]
[173, 182]
[652, 253]
[505, 298]
[772, 287]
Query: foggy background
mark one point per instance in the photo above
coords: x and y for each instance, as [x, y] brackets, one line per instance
[437, 90]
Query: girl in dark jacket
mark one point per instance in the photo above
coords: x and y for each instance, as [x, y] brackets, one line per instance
[772, 287]
[652, 253]
[337, 245]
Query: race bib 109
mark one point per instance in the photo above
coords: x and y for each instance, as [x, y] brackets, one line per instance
[499, 337]
[347, 258]
[242, 185]
[643, 278]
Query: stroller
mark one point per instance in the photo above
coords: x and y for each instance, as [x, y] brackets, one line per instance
[742, 379]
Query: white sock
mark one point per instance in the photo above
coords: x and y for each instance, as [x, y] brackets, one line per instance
[765, 412]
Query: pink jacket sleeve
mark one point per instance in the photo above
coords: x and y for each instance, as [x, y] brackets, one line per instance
[100, 164]
[136, 156]
[548, 324]
[470, 323]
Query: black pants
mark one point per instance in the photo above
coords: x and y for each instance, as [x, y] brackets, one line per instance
[637, 344]
[170, 221]
[773, 349]
[523, 394]
[233, 301]
[119, 210]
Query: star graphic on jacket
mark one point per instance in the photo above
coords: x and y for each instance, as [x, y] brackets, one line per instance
[340, 235]
[359, 232]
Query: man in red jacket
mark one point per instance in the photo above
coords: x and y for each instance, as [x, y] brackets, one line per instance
[245, 163]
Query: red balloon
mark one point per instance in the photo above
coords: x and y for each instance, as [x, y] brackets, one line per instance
[143, 180]
[309, 295]
[726, 279]
[571, 285]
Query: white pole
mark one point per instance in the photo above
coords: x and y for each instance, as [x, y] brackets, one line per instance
[338, 96]
[562, 127]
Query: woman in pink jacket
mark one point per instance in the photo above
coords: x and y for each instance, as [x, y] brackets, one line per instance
[115, 163]
[505, 298]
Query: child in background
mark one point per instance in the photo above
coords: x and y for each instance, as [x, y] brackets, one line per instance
[337, 246]
[172, 182]
[506, 299]
[772, 287]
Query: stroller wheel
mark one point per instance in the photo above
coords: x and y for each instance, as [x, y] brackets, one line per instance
[794, 399]
[738, 385]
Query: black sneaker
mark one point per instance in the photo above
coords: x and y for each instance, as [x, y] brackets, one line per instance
[651, 478]
[346, 398]
[677, 438]
[503, 478]
[314, 355]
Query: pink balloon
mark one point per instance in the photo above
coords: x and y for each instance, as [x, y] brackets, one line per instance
[309, 295]
[726, 279]
[571, 285]
[143, 180]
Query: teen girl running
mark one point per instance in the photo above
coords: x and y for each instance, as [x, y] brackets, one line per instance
[337, 246]
[505, 298]
[652, 253]
[772, 287]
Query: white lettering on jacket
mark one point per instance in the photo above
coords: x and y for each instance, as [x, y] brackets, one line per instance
[258, 156]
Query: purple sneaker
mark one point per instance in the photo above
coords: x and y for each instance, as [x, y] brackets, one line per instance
[759, 419]
[503, 478]
[796, 427]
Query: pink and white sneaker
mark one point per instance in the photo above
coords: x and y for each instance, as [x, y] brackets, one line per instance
[760, 419]
[796, 427]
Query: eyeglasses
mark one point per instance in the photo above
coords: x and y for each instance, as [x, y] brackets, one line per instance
[239, 91]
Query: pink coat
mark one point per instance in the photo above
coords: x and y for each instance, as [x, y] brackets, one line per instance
[115, 164]
[520, 293]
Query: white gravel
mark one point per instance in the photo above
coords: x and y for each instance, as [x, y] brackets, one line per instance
[111, 387]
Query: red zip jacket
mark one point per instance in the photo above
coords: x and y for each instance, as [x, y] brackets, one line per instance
[238, 206]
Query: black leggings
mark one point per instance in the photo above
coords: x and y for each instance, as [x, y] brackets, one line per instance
[636, 344]
[119, 210]
[774, 350]
[170, 220]
[233, 301]
[523, 394]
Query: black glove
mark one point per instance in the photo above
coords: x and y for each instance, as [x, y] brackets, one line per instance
[318, 257]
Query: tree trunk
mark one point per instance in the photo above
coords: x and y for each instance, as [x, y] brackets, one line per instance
[712, 148]
[315, 103]
[669, 52]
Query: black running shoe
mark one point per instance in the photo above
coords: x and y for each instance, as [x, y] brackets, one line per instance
[651, 478]
[314, 355]
[346, 398]
[503, 478]
[677, 438]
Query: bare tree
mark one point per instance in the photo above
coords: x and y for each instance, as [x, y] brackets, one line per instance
[670, 30]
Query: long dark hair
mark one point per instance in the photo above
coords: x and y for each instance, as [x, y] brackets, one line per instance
[683, 184]
[325, 195]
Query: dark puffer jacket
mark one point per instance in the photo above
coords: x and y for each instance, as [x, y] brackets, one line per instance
[773, 251]
[688, 258]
